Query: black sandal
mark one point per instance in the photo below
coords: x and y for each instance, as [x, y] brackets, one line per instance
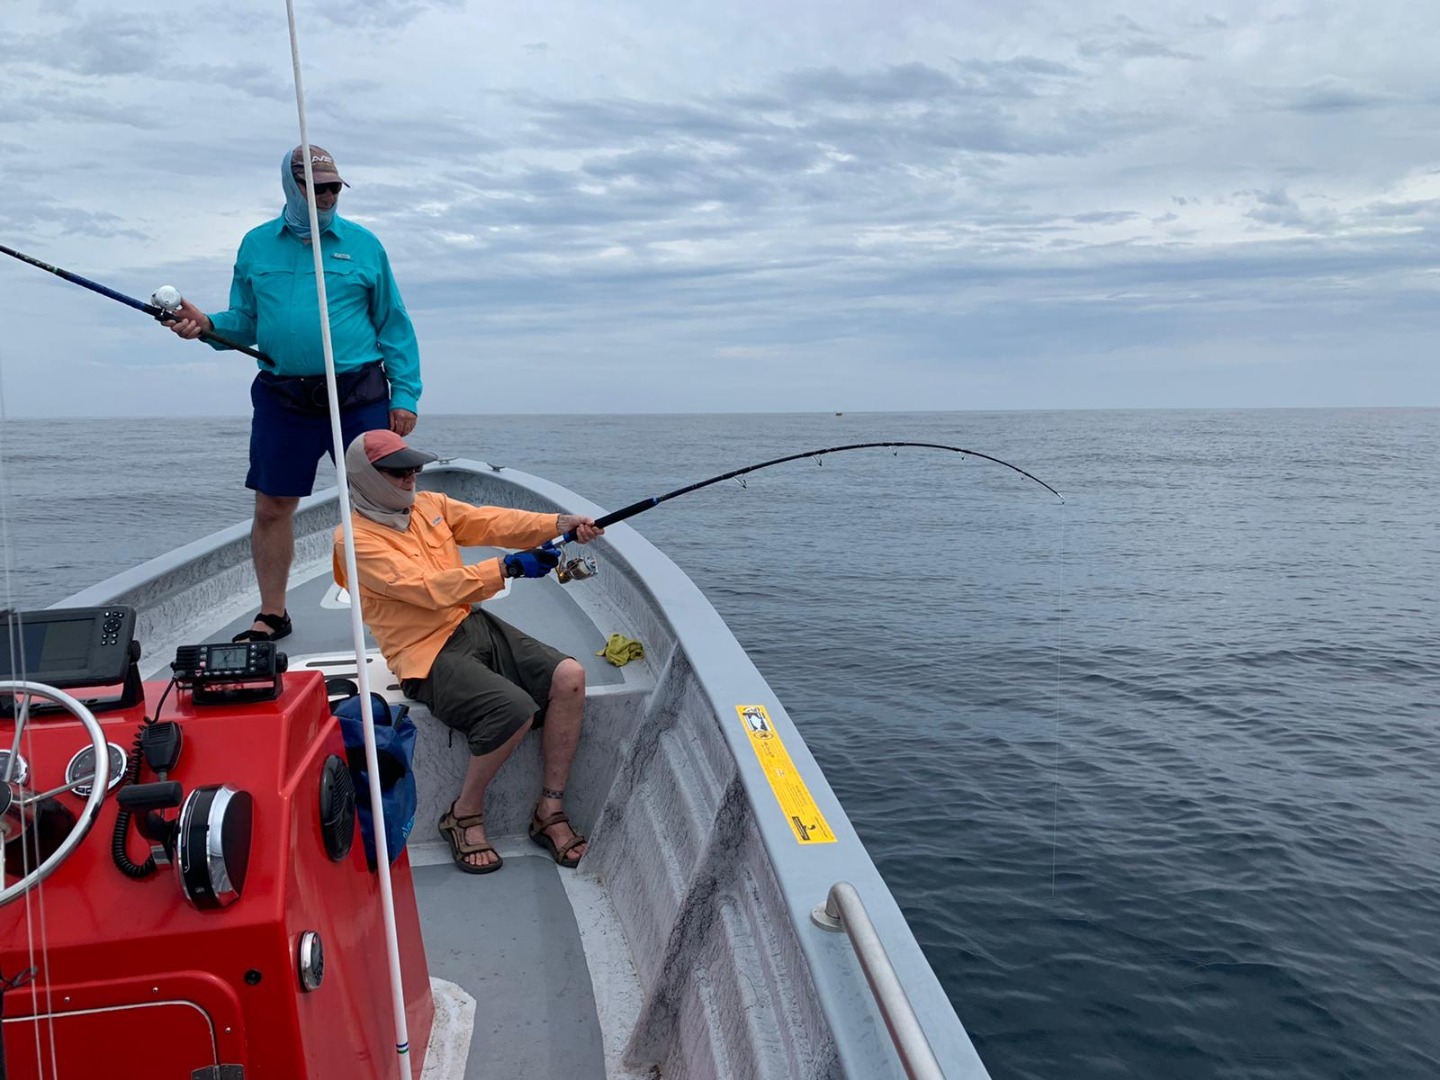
[279, 627]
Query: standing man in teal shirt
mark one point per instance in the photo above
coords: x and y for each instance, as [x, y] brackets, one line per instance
[274, 305]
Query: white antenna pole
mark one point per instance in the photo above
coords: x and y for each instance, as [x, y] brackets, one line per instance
[357, 624]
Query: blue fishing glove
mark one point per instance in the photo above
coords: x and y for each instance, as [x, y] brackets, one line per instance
[537, 562]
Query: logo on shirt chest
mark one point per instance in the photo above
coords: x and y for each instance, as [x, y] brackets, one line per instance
[339, 255]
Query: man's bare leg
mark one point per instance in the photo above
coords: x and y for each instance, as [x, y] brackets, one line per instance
[481, 771]
[558, 740]
[272, 547]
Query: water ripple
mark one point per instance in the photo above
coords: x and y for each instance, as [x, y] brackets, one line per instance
[1152, 774]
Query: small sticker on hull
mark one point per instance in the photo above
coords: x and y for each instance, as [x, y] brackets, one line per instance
[804, 816]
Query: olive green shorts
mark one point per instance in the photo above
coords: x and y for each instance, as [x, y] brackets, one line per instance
[487, 680]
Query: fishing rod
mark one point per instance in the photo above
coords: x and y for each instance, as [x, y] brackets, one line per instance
[583, 567]
[163, 304]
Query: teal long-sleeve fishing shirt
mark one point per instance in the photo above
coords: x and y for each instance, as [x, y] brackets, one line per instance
[274, 305]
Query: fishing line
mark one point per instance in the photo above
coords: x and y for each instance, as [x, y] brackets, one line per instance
[655, 500]
[163, 312]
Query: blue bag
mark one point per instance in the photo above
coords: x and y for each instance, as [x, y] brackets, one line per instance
[395, 751]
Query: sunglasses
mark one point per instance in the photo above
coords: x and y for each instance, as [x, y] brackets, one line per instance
[325, 189]
[400, 474]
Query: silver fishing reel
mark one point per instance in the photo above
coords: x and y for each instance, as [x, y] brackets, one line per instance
[576, 569]
[167, 298]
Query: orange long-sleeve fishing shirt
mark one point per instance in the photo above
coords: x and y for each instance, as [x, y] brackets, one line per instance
[414, 588]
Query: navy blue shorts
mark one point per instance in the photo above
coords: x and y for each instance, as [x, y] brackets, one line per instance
[286, 446]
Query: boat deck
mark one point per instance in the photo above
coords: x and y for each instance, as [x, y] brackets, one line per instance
[511, 942]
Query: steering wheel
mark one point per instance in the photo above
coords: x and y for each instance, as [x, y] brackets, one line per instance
[17, 803]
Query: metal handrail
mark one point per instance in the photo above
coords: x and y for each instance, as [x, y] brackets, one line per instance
[844, 910]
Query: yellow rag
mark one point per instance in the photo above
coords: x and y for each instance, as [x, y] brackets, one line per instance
[620, 650]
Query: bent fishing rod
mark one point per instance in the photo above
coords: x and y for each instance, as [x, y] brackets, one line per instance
[163, 306]
[578, 569]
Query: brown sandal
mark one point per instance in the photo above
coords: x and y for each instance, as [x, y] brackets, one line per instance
[538, 825]
[453, 828]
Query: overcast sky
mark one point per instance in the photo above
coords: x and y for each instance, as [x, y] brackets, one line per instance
[795, 205]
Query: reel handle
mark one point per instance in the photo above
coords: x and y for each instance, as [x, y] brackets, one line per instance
[165, 302]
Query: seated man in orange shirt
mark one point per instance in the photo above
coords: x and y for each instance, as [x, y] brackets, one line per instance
[477, 674]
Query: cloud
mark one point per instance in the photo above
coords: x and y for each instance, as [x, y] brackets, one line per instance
[1105, 217]
[51, 216]
[376, 15]
[1275, 207]
[1126, 39]
[683, 212]
[1330, 95]
[97, 45]
[907, 84]
[63, 106]
[1429, 208]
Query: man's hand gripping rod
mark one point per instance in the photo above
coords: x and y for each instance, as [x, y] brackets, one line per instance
[165, 302]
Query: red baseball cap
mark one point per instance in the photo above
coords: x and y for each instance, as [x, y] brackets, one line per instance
[386, 450]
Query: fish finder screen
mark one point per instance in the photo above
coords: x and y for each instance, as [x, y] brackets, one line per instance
[60, 645]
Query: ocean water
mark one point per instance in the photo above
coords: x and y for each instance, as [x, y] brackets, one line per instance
[1153, 772]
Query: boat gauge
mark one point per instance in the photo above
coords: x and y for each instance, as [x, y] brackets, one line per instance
[82, 769]
[310, 961]
[22, 767]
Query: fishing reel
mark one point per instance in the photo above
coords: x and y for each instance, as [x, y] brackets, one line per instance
[167, 298]
[577, 569]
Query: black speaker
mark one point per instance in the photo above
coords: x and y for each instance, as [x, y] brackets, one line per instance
[212, 845]
[337, 807]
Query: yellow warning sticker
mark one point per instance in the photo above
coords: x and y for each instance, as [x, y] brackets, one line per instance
[800, 810]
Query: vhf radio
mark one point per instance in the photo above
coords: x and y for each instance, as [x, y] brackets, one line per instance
[227, 674]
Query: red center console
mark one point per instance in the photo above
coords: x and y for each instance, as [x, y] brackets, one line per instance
[288, 978]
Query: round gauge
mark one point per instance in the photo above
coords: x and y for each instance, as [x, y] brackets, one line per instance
[22, 767]
[83, 765]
